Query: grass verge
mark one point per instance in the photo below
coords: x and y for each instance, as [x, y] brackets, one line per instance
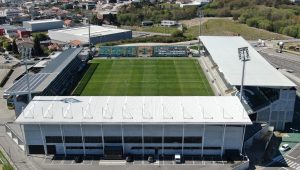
[225, 27]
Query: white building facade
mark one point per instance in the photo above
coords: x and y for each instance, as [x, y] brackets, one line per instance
[43, 25]
[118, 126]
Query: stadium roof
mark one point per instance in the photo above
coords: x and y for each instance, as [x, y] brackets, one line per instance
[40, 81]
[258, 72]
[135, 110]
[94, 30]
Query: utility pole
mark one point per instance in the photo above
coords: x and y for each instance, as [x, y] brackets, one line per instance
[243, 56]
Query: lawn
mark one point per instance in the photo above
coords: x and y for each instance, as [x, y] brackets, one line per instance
[225, 27]
[4, 163]
[145, 77]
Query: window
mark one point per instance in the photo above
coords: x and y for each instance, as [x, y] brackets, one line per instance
[53, 139]
[133, 139]
[192, 139]
[112, 139]
[36, 149]
[92, 139]
[173, 140]
[212, 148]
[74, 147]
[73, 139]
[151, 139]
[93, 147]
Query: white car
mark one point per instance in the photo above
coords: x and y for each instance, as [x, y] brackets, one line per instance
[178, 159]
[284, 147]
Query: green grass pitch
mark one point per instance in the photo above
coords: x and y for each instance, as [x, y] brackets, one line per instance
[145, 77]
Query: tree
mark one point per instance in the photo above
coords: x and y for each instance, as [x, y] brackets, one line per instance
[41, 36]
[15, 47]
[37, 49]
[7, 45]
[177, 33]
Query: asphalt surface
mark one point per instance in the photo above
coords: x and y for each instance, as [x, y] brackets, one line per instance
[290, 160]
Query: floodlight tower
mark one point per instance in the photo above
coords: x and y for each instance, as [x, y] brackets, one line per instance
[26, 54]
[200, 13]
[244, 57]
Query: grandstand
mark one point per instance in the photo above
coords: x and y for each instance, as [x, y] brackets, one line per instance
[57, 78]
[268, 94]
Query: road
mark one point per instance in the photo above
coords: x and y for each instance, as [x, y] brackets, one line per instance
[283, 61]
[291, 159]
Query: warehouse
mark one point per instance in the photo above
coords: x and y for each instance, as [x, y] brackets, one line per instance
[113, 126]
[98, 34]
[43, 25]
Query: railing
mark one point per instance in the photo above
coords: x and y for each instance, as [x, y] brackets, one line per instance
[13, 135]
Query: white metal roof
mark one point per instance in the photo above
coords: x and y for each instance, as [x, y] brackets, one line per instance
[134, 110]
[43, 21]
[258, 72]
[94, 30]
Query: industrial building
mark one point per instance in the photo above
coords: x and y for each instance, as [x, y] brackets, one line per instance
[268, 95]
[43, 25]
[99, 34]
[114, 126]
[57, 78]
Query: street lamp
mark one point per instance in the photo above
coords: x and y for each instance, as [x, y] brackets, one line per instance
[243, 56]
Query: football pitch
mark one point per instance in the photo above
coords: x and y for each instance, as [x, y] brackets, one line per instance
[144, 77]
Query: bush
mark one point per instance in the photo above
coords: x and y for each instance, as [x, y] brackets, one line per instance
[177, 33]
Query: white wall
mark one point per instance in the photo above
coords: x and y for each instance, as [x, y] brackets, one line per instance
[213, 136]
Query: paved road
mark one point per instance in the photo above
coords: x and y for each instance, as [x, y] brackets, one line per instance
[291, 160]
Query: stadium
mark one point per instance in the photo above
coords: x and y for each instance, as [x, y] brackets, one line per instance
[142, 101]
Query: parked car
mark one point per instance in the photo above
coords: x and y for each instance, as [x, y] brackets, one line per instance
[284, 147]
[178, 159]
[78, 159]
[151, 159]
[129, 158]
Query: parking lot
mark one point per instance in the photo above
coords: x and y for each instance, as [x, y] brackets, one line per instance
[92, 160]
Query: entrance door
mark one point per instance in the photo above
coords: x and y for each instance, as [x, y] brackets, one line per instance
[113, 152]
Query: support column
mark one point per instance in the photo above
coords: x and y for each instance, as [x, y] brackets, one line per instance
[102, 135]
[63, 140]
[82, 138]
[223, 140]
[163, 140]
[203, 139]
[43, 139]
[25, 142]
[143, 141]
[123, 145]
[182, 140]
[244, 130]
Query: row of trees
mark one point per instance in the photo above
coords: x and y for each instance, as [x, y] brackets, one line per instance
[280, 16]
[134, 14]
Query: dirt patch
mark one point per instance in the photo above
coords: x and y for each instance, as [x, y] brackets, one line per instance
[195, 21]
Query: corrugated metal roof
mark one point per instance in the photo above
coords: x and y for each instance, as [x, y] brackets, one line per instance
[40, 81]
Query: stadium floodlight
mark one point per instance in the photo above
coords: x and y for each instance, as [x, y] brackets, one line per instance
[200, 13]
[244, 57]
[26, 54]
